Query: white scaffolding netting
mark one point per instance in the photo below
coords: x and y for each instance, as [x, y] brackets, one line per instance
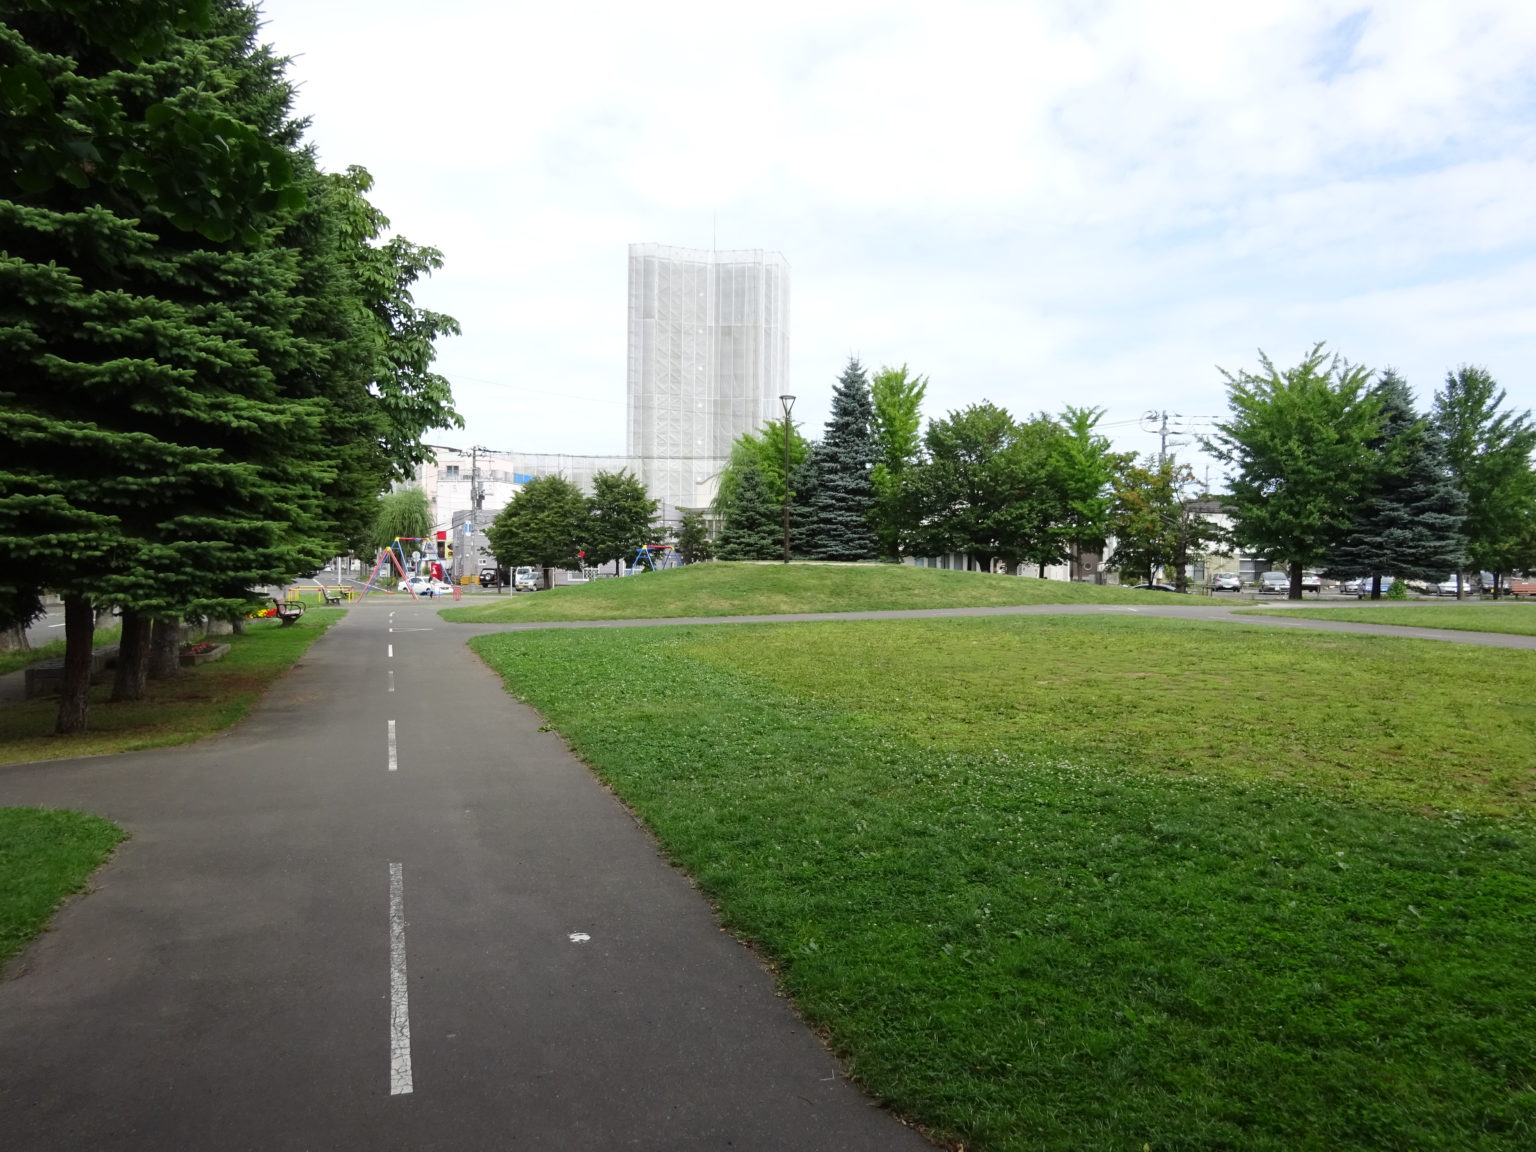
[708, 357]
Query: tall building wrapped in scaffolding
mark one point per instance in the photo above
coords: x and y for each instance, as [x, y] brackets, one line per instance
[708, 359]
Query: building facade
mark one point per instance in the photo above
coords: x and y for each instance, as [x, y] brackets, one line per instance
[708, 358]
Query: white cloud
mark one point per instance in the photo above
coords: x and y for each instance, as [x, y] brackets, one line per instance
[1038, 203]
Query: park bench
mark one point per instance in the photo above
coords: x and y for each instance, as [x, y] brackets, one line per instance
[287, 610]
[332, 596]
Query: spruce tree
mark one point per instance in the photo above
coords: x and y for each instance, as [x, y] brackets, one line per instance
[210, 375]
[753, 528]
[1408, 520]
[693, 542]
[844, 500]
[802, 503]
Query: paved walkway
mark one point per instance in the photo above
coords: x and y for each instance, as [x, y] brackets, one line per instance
[387, 912]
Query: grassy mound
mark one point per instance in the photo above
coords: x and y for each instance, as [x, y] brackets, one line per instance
[725, 589]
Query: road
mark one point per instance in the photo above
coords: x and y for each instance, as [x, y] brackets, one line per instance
[388, 912]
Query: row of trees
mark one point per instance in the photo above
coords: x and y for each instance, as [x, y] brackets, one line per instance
[1330, 466]
[213, 360]
[552, 524]
[876, 485]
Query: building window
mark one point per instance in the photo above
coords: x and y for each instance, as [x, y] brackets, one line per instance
[451, 472]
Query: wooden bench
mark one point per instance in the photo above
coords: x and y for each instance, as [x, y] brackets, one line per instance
[287, 610]
[332, 596]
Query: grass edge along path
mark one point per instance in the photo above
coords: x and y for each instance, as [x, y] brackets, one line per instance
[204, 700]
[1026, 950]
[1511, 617]
[46, 855]
[743, 589]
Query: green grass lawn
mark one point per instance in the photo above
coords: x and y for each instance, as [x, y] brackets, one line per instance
[14, 659]
[45, 855]
[1104, 883]
[772, 589]
[1508, 616]
[205, 699]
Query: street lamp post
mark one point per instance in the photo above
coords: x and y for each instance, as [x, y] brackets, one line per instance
[788, 403]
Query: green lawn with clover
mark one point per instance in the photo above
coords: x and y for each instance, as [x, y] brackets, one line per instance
[1103, 883]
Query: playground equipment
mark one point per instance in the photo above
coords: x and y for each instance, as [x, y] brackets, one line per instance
[656, 557]
[393, 563]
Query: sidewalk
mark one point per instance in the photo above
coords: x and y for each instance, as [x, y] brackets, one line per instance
[387, 912]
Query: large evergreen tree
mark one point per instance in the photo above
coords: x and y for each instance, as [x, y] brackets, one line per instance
[693, 542]
[844, 500]
[1407, 521]
[188, 381]
[1298, 444]
[1489, 453]
[802, 502]
[753, 527]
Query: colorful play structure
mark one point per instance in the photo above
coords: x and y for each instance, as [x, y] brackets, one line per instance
[656, 557]
[394, 562]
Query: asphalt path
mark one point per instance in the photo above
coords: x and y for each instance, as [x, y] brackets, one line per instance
[387, 912]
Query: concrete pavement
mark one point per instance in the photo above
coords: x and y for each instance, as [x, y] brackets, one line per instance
[387, 912]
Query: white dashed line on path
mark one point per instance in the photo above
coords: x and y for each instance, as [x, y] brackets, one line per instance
[399, 1003]
[391, 679]
[391, 651]
[394, 762]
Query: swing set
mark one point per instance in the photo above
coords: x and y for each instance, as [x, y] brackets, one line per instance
[656, 557]
[393, 560]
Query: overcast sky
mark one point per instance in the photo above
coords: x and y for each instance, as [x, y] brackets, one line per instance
[1037, 204]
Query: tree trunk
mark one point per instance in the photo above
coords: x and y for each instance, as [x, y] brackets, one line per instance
[165, 649]
[1295, 593]
[132, 658]
[79, 633]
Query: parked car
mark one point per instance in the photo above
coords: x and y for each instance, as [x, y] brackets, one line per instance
[425, 586]
[491, 577]
[1275, 584]
[1226, 582]
[1448, 586]
[1311, 582]
[1362, 588]
[1157, 588]
[526, 580]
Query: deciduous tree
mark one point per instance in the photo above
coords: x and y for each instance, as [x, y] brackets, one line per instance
[897, 398]
[1297, 442]
[544, 526]
[623, 517]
